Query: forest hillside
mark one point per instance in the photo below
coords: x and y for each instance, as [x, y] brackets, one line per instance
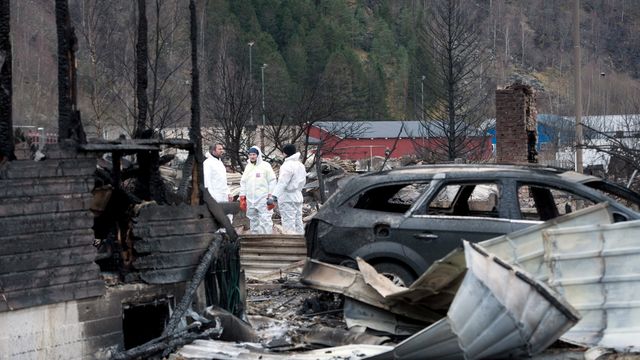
[322, 59]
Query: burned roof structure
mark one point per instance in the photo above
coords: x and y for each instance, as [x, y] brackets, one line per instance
[96, 261]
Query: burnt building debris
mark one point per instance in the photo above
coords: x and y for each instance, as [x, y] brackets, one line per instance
[46, 241]
[96, 258]
[90, 249]
[516, 124]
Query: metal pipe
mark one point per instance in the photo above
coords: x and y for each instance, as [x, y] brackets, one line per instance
[578, 84]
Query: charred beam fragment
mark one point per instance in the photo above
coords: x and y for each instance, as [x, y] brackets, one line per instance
[194, 132]
[168, 342]
[219, 214]
[198, 276]
[69, 124]
[141, 70]
[7, 146]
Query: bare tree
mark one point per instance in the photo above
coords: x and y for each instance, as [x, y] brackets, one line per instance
[168, 93]
[616, 139]
[457, 81]
[97, 27]
[230, 98]
[6, 122]
[295, 110]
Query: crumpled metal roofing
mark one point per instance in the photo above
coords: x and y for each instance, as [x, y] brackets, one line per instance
[525, 247]
[498, 312]
[597, 269]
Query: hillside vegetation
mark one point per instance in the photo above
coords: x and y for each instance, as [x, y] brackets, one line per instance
[326, 59]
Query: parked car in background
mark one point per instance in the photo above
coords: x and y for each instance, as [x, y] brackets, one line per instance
[402, 220]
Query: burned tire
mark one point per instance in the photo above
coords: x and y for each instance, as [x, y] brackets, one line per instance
[399, 274]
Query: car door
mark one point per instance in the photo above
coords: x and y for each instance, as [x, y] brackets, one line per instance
[366, 223]
[455, 210]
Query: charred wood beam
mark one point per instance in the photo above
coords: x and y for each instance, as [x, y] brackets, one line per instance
[194, 132]
[115, 172]
[195, 281]
[168, 342]
[69, 124]
[142, 57]
[187, 168]
[7, 146]
[110, 145]
[219, 215]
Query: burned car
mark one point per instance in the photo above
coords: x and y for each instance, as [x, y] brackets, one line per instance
[402, 220]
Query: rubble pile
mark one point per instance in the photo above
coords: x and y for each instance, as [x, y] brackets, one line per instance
[513, 296]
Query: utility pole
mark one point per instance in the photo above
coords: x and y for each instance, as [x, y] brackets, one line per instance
[250, 43]
[422, 96]
[578, 84]
[263, 115]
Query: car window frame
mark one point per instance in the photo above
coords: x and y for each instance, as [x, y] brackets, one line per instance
[577, 189]
[362, 190]
[440, 184]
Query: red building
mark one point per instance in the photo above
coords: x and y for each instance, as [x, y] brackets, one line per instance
[362, 140]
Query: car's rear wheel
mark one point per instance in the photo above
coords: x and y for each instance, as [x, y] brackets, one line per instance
[397, 273]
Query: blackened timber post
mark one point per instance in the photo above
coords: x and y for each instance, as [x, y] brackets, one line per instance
[194, 132]
[7, 146]
[69, 124]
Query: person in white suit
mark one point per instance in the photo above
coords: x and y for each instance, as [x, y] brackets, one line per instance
[215, 174]
[288, 192]
[256, 186]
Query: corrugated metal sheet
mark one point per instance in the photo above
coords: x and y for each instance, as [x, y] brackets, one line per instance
[264, 254]
[499, 312]
[525, 247]
[597, 269]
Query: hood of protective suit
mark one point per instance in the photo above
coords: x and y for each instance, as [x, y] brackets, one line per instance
[294, 157]
[259, 159]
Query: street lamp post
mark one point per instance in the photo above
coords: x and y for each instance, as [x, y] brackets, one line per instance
[250, 43]
[422, 97]
[263, 114]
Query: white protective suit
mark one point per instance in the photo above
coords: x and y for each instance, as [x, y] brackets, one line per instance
[291, 180]
[258, 183]
[215, 178]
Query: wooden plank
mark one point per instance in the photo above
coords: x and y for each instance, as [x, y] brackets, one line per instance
[168, 260]
[197, 226]
[161, 213]
[17, 244]
[45, 204]
[45, 223]
[82, 167]
[173, 243]
[93, 146]
[168, 276]
[15, 300]
[45, 186]
[131, 148]
[47, 277]
[48, 259]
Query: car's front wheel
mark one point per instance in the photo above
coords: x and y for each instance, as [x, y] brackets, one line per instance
[397, 273]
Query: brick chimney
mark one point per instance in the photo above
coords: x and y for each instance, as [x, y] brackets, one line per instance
[516, 130]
